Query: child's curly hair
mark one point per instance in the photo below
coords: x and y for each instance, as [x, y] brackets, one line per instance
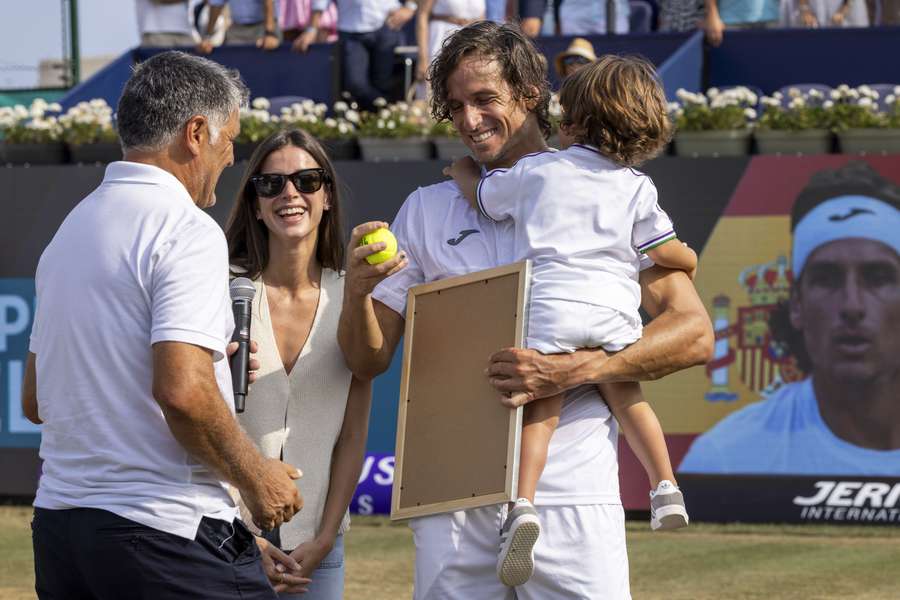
[617, 104]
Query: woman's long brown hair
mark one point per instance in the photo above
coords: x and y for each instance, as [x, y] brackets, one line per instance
[248, 237]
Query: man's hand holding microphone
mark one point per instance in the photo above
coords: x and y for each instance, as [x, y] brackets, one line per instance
[270, 495]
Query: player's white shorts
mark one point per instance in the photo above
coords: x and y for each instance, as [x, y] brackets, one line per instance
[556, 326]
[580, 555]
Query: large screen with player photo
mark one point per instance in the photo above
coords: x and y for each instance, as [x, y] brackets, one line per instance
[797, 417]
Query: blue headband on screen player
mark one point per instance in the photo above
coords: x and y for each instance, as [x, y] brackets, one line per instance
[845, 217]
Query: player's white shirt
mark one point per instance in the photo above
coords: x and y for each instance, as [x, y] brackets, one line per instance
[584, 222]
[443, 237]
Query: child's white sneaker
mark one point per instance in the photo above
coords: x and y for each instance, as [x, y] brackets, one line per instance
[520, 532]
[667, 510]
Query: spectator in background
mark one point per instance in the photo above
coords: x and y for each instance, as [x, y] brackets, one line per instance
[586, 17]
[437, 19]
[824, 13]
[294, 16]
[579, 54]
[252, 22]
[165, 23]
[680, 15]
[738, 14]
[368, 32]
[531, 15]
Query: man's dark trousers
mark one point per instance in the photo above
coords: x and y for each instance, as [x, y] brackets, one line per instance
[85, 553]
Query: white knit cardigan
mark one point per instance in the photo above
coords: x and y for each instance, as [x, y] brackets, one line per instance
[298, 417]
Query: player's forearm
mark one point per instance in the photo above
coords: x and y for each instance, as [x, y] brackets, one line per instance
[360, 336]
[679, 336]
[347, 460]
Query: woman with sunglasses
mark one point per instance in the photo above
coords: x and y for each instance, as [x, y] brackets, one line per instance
[284, 233]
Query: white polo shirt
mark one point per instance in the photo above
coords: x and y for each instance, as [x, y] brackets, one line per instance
[443, 236]
[135, 263]
[583, 221]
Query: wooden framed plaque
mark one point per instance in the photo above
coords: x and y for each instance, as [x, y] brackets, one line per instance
[457, 445]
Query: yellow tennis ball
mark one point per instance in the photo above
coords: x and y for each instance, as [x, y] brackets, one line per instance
[380, 235]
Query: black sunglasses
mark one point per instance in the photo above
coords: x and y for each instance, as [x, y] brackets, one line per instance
[306, 181]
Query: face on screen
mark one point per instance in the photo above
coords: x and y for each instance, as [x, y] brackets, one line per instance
[848, 307]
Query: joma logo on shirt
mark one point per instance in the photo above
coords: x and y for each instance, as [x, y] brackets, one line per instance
[462, 235]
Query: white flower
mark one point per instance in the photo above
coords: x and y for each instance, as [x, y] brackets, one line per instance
[769, 101]
[380, 124]
[331, 123]
[750, 113]
[794, 92]
[897, 90]
[814, 93]
[834, 94]
[57, 107]
[865, 101]
[342, 128]
[352, 116]
[417, 111]
[261, 103]
[384, 113]
[797, 103]
[827, 104]
[379, 102]
[843, 88]
[672, 107]
[890, 99]
[340, 106]
[391, 125]
[321, 107]
[402, 106]
[712, 92]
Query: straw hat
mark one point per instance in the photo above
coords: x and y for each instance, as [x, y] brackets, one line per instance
[578, 47]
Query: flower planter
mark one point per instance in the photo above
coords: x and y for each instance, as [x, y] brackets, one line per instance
[341, 149]
[730, 142]
[394, 149]
[51, 153]
[869, 141]
[100, 152]
[808, 141]
[449, 148]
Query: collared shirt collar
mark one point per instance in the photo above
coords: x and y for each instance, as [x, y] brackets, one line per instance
[132, 172]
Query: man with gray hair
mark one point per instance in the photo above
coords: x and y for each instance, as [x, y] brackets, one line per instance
[127, 368]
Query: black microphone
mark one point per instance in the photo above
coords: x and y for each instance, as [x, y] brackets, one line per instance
[242, 292]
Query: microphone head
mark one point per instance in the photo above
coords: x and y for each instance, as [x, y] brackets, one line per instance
[242, 289]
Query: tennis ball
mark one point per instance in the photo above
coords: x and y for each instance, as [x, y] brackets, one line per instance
[380, 235]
